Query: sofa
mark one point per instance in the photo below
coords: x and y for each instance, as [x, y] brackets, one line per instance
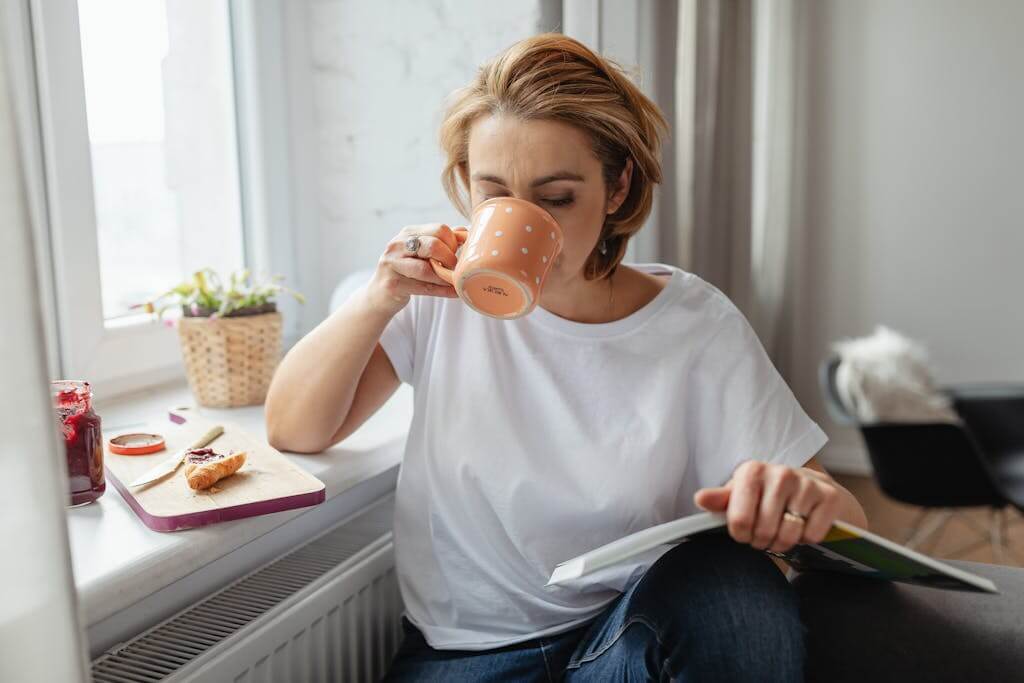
[861, 629]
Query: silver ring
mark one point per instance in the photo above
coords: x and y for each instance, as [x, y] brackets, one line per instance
[412, 245]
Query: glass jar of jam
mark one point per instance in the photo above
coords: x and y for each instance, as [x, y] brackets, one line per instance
[82, 440]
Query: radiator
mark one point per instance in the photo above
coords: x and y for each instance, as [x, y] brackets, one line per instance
[327, 611]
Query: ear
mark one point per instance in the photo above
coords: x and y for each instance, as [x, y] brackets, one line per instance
[621, 189]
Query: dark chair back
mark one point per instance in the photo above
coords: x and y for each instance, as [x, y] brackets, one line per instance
[931, 464]
[935, 465]
[995, 415]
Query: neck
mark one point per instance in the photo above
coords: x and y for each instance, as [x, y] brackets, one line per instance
[582, 301]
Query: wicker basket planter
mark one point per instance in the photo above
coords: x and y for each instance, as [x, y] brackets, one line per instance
[229, 361]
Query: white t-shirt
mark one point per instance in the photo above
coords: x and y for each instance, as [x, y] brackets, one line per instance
[537, 439]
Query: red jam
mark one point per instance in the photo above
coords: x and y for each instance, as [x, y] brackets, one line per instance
[198, 456]
[83, 440]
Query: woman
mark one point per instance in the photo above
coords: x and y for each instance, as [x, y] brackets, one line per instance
[629, 397]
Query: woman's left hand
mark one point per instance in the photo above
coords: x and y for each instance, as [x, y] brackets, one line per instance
[759, 493]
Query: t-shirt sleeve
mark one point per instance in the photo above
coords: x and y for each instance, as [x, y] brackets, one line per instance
[741, 409]
[399, 341]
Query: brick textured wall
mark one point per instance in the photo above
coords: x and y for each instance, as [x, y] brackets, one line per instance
[381, 71]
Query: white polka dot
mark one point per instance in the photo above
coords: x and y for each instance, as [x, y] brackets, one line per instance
[552, 235]
[529, 228]
[494, 253]
[525, 250]
[498, 233]
[543, 259]
[525, 274]
[508, 210]
[538, 279]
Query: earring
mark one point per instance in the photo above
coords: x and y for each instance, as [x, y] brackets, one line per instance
[603, 248]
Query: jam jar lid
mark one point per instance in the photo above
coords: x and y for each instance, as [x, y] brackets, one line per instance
[136, 443]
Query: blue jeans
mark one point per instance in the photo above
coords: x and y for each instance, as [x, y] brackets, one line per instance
[709, 609]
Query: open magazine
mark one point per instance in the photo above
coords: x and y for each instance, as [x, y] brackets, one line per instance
[846, 548]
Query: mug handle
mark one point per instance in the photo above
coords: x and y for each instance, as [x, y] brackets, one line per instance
[447, 274]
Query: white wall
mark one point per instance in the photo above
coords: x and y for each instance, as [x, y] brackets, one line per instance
[915, 186]
[381, 71]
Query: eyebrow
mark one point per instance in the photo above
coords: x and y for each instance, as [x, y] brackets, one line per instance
[561, 175]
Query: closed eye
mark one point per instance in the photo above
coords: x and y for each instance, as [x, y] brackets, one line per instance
[557, 201]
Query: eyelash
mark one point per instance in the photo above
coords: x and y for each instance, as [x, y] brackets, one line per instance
[563, 201]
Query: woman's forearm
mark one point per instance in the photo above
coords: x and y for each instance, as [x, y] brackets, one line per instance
[312, 391]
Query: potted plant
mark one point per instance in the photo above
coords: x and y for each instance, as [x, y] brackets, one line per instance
[230, 334]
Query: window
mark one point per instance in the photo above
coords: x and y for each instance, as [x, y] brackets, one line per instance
[159, 97]
[152, 117]
[161, 136]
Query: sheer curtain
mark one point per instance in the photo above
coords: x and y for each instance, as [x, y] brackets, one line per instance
[726, 74]
[714, 125]
[40, 634]
[777, 225]
[738, 157]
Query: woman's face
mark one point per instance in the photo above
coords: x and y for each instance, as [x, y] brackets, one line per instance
[551, 164]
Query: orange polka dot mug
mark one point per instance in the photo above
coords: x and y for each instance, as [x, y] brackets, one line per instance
[506, 255]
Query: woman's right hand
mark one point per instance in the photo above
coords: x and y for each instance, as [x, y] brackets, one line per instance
[401, 274]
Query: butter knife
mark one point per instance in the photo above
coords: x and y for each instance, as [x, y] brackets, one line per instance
[168, 466]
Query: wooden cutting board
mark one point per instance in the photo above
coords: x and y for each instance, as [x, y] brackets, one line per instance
[267, 482]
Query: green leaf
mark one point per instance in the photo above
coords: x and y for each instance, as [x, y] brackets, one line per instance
[206, 289]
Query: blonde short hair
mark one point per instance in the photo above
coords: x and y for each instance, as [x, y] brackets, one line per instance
[551, 76]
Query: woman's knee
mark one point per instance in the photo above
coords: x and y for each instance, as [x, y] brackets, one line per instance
[721, 603]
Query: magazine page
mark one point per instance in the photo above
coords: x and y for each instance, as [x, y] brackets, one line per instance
[633, 544]
[846, 549]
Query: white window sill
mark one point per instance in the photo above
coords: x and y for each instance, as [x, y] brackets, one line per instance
[119, 563]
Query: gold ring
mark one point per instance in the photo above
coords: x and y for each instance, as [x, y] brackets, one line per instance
[795, 516]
